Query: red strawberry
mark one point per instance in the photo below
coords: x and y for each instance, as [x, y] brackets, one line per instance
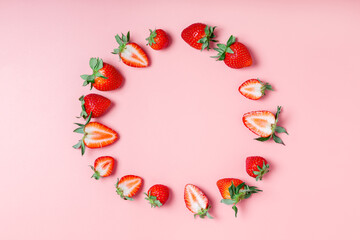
[103, 167]
[256, 167]
[264, 124]
[128, 186]
[95, 135]
[158, 39]
[234, 54]
[104, 78]
[254, 89]
[157, 195]
[199, 36]
[196, 201]
[130, 53]
[95, 104]
[233, 190]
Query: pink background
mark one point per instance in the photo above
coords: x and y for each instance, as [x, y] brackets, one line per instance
[180, 120]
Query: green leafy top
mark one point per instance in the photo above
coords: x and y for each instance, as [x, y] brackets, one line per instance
[96, 174]
[222, 49]
[265, 86]
[120, 192]
[81, 130]
[122, 41]
[153, 200]
[83, 113]
[262, 171]
[242, 191]
[274, 129]
[150, 39]
[204, 213]
[96, 64]
[209, 37]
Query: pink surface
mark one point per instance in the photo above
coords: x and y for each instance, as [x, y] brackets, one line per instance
[180, 120]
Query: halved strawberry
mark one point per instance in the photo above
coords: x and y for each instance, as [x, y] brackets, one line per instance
[157, 195]
[104, 78]
[95, 135]
[234, 190]
[254, 89]
[264, 124]
[128, 186]
[130, 53]
[94, 103]
[196, 201]
[256, 167]
[103, 167]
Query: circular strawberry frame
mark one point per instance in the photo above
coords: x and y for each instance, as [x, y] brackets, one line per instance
[236, 191]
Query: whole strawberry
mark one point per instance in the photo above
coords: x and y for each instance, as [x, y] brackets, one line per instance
[256, 167]
[130, 53]
[95, 104]
[103, 167]
[158, 39]
[157, 195]
[104, 78]
[199, 36]
[234, 54]
[234, 190]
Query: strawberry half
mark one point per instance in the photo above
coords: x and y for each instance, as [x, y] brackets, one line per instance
[130, 53]
[95, 104]
[256, 167]
[128, 186]
[103, 167]
[158, 39]
[157, 195]
[234, 54]
[264, 124]
[95, 135]
[104, 78]
[234, 190]
[196, 201]
[254, 89]
[199, 36]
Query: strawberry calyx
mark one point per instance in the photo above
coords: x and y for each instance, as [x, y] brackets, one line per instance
[95, 64]
[120, 192]
[275, 129]
[96, 174]
[150, 39]
[122, 41]
[83, 113]
[265, 86]
[209, 37]
[153, 200]
[222, 49]
[262, 171]
[204, 213]
[242, 191]
[81, 130]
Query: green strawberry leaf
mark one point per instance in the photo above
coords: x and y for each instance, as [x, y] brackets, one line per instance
[227, 201]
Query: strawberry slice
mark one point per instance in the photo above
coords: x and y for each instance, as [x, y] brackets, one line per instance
[128, 186]
[130, 53]
[234, 190]
[254, 89]
[95, 135]
[264, 124]
[196, 201]
[103, 167]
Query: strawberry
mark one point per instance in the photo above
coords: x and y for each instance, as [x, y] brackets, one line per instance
[128, 186]
[157, 195]
[103, 167]
[234, 190]
[196, 201]
[254, 89]
[94, 103]
[234, 54]
[130, 53]
[104, 78]
[256, 167]
[264, 124]
[95, 135]
[199, 36]
[158, 39]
